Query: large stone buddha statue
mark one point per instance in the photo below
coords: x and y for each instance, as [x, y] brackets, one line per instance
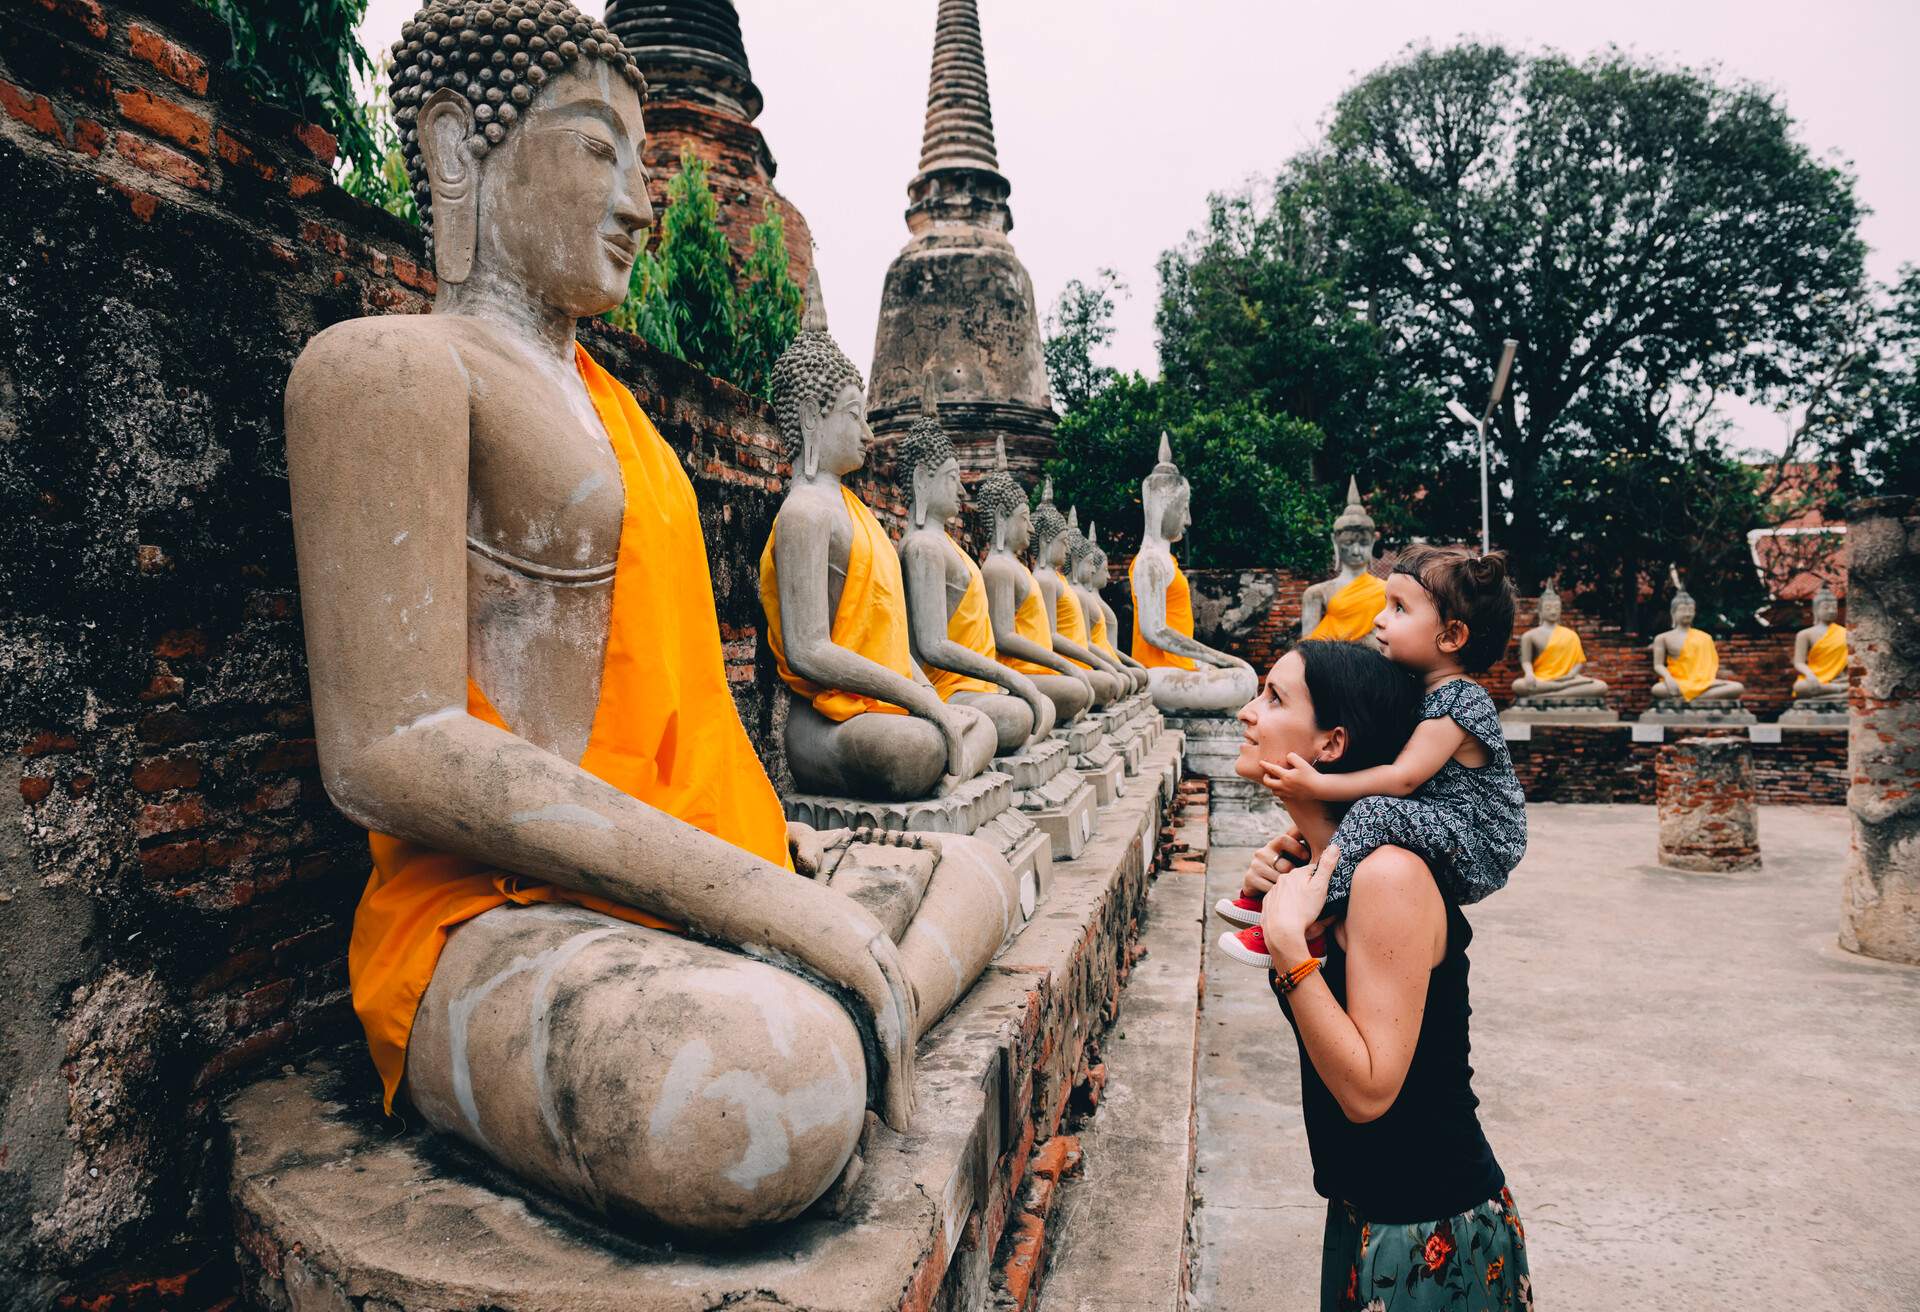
[1183, 674]
[1087, 572]
[1552, 658]
[1015, 605]
[1343, 607]
[1686, 664]
[1820, 657]
[950, 628]
[1066, 618]
[584, 948]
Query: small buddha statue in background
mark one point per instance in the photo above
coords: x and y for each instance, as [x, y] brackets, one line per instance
[1551, 659]
[950, 627]
[1820, 655]
[1087, 571]
[1686, 664]
[1066, 617]
[1182, 674]
[1343, 607]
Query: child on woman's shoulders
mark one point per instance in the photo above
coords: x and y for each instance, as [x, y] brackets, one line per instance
[1451, 796]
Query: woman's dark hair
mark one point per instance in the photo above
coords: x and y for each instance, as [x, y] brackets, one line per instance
[1471, 588]
[1356, 688]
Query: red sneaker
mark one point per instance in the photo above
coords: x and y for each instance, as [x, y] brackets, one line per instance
[1242, 910]
[1248, 947]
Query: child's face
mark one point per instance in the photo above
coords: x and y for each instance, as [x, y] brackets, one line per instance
[1409, 628]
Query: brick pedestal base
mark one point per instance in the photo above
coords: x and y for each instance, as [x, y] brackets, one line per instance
[1704, 790]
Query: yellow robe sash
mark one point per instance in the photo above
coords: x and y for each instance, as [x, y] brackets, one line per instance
[665, 731]
[1099, 633]
[1696, 664]
[1070, 619]
[1179, 619]
[1351, 611]
[1562, 652]
[1030, 622]
[1827, 657]
[871, 618]
[970, 625]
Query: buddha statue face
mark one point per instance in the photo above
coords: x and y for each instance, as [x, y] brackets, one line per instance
[1090, 571]
[938, 491]
[833, 438]
[1682, 611]
[1353, 547]
[1826, 607]
[1549, 607]
[1174, 516]
[1019, 529]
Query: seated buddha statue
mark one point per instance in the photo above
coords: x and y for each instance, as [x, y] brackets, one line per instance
[949, 627]
[1065, 618]
[1022, 638]
[1343, 607]
[1087, 571]
[1551, 658]
[1686, 664]
[1820, 654]
[865, 721]
[1182, 674]
[584, 948]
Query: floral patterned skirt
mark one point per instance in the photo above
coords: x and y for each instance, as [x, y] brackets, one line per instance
[1473, 1262]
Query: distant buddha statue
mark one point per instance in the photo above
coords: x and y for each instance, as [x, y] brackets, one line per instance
[1182, 674]
[582, 879]
[1015, 605]
[1343, 607]
[1820, 654]
[1087, 571]
[950, 627]
[1064, 614]
[1686, 664]
[865, 721]
[1551, 658]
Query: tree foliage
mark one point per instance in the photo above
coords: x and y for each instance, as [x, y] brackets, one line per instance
[303, 55]
[1080, 323]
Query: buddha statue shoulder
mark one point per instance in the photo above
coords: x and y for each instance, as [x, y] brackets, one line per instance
[1552, 659]
[1066, 617]
[1087, 572]
[1686, 663]
[949, 624]
[1343, 607]
[864, 719]
[1820, 654]
[1183, 674]
[1016, 607]
[583, 915]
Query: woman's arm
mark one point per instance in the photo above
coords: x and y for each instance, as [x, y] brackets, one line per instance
[1433, 744]
[1396, 934]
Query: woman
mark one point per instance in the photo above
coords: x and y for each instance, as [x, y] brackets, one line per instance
[1418, 1214]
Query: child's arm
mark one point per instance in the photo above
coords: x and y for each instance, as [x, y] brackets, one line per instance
[1433, 743]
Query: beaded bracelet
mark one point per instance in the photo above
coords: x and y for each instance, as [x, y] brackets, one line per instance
[1295, 977]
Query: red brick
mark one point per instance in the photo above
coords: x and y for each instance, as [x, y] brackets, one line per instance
[171, 859]
[421, 280]
[319, 141]
[166, 118]
[277, 795]
[33, 109]
[47, 742]
[237, 153]
[251, 1009]
[292, 754]
[181, 644]
[248, 1052]
[330, 240]
[159, 773]
[162, 161]
[189, 812]
[33, 790]
[88, 138]
[80, 784]
[1058, 1157]
[86, 13]
[168, 727]
[1022, 1269]
[301, 185]
[143, 205]
[176, 63]
[1181, 867]
[241, 963]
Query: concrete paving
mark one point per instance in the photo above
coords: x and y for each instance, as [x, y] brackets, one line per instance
[1700, 1101]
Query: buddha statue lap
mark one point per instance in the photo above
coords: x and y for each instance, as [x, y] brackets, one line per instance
[1820, 664]
[1551, 661]
[1183, 675]
[1343, 607]
[1066, 620]
[584, 948]
[1686, 667]
[1087, 571]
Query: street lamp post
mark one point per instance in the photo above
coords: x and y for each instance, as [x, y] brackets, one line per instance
[1479, 426]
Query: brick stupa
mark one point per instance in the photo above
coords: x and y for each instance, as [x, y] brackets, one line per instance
[958, 329]
[700, 93]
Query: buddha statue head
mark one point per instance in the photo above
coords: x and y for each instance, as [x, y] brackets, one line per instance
[1086, 563]
[1166, 497]
[1354, 533]
[1549, 605]
[928, 472]
[819, 399]
[1049, 530]
[1003, 506]
[1826, 606]
[521, 130]
[1682, 609]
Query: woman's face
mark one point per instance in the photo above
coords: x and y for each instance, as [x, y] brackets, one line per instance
[1279, 720]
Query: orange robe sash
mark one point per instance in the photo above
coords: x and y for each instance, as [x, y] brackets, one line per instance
[1827, 657]
[665, 731]
[1098, 632]
[1696, 664]
[1558, 658]
[1070, 620]
[970, 625]
[1030, 622]
[1179, 619]
[871, 618]
[1351, 611]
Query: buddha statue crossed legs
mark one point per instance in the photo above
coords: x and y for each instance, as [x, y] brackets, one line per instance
[1087, 571]
[1686, 664]
[1820, 656]
[1066, 620]
[1552, 658]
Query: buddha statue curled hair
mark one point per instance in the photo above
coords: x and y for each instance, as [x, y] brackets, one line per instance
[998, 498]
[812, 367]
[925, 445]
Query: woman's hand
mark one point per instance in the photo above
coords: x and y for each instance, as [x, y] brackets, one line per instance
[1272, 861]
[1292, 905]
[1293, 780]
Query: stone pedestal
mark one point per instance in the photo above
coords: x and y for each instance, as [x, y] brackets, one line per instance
[1703, 788]
[1241, 813]
[1678, 714]
[1880, 914]
[1052, 795]
[1093, 757]
[1815, 715]
[1213, 743]
[1560, 710]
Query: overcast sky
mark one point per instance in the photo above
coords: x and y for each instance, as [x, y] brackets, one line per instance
[1115, 118]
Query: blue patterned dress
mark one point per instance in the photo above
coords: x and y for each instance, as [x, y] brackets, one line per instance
[1470, 824]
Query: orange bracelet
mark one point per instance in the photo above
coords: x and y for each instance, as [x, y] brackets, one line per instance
[1295, 977]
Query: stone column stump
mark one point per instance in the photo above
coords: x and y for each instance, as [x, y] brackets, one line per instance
[1704, 790]
[1880, 911]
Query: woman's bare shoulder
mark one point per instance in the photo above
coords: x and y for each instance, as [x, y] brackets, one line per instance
[1393, 890]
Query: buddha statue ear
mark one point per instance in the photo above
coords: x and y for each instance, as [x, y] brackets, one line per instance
[445, 123]
[918, 493]
[809, 436]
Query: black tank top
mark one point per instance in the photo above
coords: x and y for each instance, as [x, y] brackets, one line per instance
[1426, 1158]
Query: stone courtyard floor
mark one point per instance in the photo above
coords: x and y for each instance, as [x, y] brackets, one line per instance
[1699, 1100]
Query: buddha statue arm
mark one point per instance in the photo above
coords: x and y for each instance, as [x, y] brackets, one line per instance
[1001, 604]
[1313, 609]
[1663, 682]
[924, 564]
[383, 591]
[1150, 605]
[1802, 662]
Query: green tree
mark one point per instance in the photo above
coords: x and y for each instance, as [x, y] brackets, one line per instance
[1870, 418]
[384, 182]
[767, 306]
[303, 55]
[696, 266]
[1080, 323]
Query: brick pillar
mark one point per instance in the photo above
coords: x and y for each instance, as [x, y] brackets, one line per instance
[1880, 912]
[1704, 791]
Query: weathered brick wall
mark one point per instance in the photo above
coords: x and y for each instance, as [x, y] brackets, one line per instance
[1602, 763]
[175, 889]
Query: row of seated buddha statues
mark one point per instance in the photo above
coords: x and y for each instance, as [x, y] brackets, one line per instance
[592, 947]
